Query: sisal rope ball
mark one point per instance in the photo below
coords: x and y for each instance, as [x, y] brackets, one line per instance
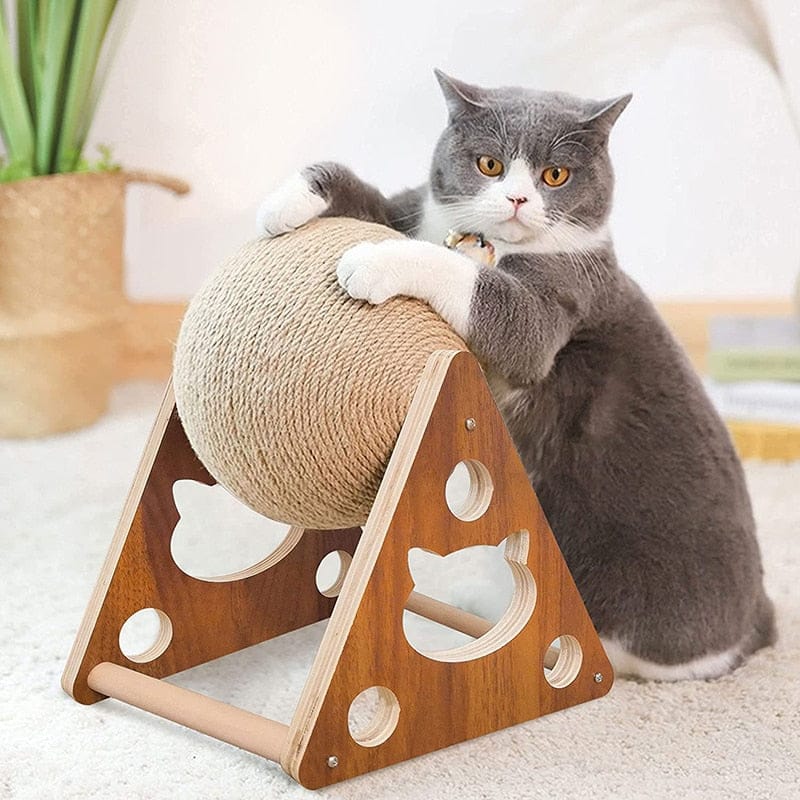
[291, 393]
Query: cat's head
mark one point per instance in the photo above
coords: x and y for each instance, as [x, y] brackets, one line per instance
[517, 165]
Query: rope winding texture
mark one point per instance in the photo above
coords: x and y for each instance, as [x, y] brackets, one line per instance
[291, 393]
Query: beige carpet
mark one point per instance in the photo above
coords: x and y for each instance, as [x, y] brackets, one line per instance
[737, 737]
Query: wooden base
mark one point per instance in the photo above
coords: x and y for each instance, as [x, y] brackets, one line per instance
[543, 655]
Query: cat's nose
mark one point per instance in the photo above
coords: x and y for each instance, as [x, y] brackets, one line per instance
[517, 201]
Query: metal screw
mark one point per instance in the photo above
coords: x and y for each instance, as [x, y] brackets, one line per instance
[470, 424]
[598, 677]
[333, 761]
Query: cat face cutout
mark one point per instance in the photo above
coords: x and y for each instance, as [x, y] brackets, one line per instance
[517, 165]
[476, 579]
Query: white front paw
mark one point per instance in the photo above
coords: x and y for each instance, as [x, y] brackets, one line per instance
[289, 207]
[368, 272]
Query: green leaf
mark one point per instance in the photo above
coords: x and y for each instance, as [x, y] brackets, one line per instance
[27, 19]
[15, 171]
[15, 119]
[78, 104]
[56, 26]
[48, 97]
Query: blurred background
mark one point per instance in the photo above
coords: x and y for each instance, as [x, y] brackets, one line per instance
[234, 97]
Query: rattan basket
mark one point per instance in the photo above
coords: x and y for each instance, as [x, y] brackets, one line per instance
[62, 299]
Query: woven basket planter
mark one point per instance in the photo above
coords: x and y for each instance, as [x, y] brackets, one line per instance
[62, 299]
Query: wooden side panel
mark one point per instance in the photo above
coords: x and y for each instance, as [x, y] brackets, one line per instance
[209, 618]
[442, 703]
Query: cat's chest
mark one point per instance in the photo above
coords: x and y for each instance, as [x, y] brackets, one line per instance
[433, 226]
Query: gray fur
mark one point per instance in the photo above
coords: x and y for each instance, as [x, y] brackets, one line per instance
[634, 469]
[349, 196]
[544, 128]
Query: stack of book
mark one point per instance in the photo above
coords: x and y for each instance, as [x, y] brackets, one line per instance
[754, 381]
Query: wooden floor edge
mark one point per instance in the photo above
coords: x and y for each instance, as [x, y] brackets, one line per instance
[765, 441]
[152, 328]
[149, 336]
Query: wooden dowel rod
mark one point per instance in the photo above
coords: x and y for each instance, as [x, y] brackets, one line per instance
[447, 615]
[259, 735]
[460, 620]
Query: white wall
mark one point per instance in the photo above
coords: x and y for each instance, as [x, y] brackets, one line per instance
[234, 96]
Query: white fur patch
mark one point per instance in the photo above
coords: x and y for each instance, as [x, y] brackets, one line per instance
[563, 237]
[712, 666]
[434, 225]
[518, 182]
[291, 205]
[377, 271]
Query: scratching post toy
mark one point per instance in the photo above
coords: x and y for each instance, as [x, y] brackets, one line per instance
[291, 393]
[274, 399]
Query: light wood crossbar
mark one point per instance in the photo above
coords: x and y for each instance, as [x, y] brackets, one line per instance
[260, 735]
[256, 734]
[460, 620]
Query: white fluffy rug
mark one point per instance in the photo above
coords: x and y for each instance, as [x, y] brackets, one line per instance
[736, 737]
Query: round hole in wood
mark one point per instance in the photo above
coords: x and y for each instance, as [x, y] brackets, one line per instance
[373, 716]
[218, 538]
[568, 662]
[468, 490]
[331, 572]
[145, 635]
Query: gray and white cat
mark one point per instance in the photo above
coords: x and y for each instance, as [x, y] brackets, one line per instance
[634, 469]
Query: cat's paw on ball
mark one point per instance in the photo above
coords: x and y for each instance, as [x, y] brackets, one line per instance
[365, 273]
[287, 208]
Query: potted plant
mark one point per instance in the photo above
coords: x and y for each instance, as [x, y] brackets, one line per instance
[62, 302]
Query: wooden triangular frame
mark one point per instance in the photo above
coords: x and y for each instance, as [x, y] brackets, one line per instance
[508, 674]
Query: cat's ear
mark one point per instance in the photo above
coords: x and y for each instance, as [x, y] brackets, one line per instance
[459, 96]
[604, 114]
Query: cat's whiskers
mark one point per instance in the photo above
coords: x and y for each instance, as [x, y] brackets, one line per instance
[560, 237]
[467, 224]
[566, 142]
[418, 214]
[594, 261]
[567, 232]
[559, 139]
[584, 257]
[497, 113]
[459, 215]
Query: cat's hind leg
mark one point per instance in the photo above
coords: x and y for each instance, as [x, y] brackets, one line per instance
[626, 664]
[761, 633]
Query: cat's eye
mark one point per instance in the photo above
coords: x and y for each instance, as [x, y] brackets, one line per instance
[490, 166]
[555, 176]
